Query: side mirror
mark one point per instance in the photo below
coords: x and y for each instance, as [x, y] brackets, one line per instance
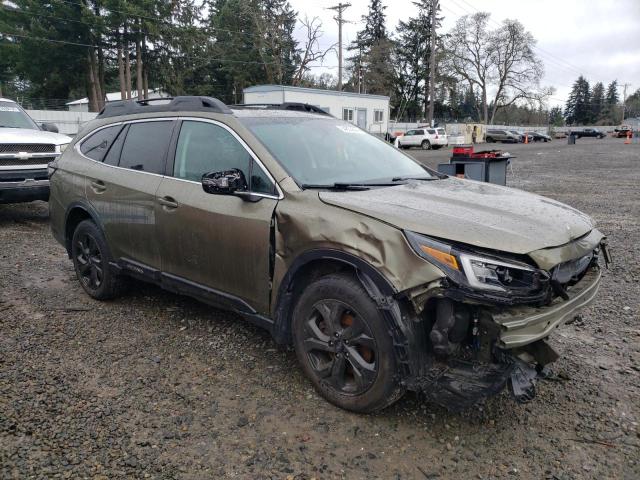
[50, 127]
[228, 182]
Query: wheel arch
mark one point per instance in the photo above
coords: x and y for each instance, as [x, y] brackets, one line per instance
[76, 213]
[314, 264]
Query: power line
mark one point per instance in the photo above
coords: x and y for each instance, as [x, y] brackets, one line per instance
[212, 59]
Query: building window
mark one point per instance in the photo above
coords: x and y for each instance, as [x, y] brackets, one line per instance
[347, 114]
[378, 116]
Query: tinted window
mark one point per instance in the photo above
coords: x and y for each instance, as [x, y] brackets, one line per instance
[113, 156]
[431, 131]
[419, 132]
[145, 147]
[97, 145]
[205, 147]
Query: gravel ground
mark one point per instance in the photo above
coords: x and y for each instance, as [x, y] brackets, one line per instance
[154, 385]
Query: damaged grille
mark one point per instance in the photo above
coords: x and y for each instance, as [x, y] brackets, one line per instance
[27, 147]
[571, 271]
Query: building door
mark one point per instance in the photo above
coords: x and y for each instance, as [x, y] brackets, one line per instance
[362, 118]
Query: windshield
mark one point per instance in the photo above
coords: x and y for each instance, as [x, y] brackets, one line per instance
[12, 116]
[326, 151]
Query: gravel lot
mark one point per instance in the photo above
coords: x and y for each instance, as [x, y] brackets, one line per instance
[154, 385]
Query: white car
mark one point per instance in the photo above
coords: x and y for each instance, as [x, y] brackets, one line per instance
[425, 138]
[25, 151]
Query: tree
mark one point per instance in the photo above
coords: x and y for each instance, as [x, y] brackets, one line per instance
[500, 61]
[371, 70]
[632, 104]
[555, 117]
[412, 60]
[597, 103]
[612, 101]
[578, 108]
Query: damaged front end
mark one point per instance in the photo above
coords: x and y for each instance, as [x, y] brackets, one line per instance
[484, 325]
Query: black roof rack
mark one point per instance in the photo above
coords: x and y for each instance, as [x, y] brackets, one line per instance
[295, 106]
[169, 104]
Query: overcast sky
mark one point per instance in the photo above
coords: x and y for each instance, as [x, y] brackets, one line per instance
[598, 39]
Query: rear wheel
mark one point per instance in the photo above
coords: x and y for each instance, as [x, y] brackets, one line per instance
[490, 140]
[343, 345]
[426, 145]
[91, 262]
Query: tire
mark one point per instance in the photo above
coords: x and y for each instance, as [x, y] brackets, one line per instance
[489, 140]
[343, 345]
[426, 145]
[91, 260]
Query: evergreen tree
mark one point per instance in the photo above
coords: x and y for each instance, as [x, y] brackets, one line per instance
[555, 117]
[578, 108]
[597, 102]
[611, 104]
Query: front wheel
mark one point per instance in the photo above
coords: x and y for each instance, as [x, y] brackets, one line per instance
[426, 145]
[490, 140]
[344, 346]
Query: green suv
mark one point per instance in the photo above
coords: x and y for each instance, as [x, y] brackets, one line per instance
[384, 275]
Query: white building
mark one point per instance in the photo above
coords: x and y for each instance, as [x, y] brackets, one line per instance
[82, 105]
[369, 112]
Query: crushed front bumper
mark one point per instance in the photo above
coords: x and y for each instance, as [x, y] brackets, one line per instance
[524, 325]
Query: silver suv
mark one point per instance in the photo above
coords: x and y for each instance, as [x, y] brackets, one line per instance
[499, 135]
[25, 151]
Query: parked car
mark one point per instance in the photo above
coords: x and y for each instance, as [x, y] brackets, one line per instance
[25, 151]
[558, 135]
[538, 137]
[383, 274]
[425, 138]
[588, 132]
[622, 132]
[519, 135]
[504, 136]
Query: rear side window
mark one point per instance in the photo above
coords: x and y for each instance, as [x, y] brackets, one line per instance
[431, 131]
[98, 144]
[146, 145]
[441, 131]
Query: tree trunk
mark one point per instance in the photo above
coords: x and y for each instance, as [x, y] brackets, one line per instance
[139, 63]
[127, 63]
[91, 85]
[145, 69]
[102, 95]
[485, 107]
[121, 76]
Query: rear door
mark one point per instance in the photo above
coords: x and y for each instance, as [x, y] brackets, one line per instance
[122, 187]
[216, 244]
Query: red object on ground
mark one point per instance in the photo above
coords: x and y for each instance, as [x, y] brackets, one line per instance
[463, 150]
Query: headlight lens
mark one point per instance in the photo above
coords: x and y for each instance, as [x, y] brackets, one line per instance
[474, 271]
[63, 147]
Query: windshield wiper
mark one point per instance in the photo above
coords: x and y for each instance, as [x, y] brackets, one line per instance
[349, 186]
[400, 179]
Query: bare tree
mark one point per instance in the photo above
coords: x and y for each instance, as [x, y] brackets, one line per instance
[311, 51]
[500, 64]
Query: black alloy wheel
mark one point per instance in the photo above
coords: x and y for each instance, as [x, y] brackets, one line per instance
[90, 262]
[344, 344]
[340, 347]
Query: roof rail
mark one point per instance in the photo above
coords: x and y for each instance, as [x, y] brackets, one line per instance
[171, 104]
[295, 106]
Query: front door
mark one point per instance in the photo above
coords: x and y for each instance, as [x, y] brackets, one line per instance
[219, 242]
[362, 118]
[121, 187]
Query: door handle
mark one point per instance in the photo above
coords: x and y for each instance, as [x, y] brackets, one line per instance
[168, 202]
[98, 186]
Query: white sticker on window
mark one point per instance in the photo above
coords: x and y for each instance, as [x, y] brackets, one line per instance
[349, 128]
[9, 109]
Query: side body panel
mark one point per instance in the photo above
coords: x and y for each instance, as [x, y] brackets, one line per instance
[220, 241]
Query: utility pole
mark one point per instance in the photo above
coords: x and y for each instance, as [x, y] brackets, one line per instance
[432, 60]
[624, 99]
[340, 8]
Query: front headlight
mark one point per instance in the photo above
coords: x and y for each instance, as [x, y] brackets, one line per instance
[63, 147]
[472, 270]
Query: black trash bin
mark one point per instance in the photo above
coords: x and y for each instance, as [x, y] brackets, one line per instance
[488, 166]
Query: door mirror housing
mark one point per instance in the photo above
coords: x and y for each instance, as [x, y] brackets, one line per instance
[228, 182]
[49, 127]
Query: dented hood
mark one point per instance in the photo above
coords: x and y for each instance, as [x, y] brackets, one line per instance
[475, 213]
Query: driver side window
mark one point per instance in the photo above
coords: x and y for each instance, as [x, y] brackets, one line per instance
[205, 147]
